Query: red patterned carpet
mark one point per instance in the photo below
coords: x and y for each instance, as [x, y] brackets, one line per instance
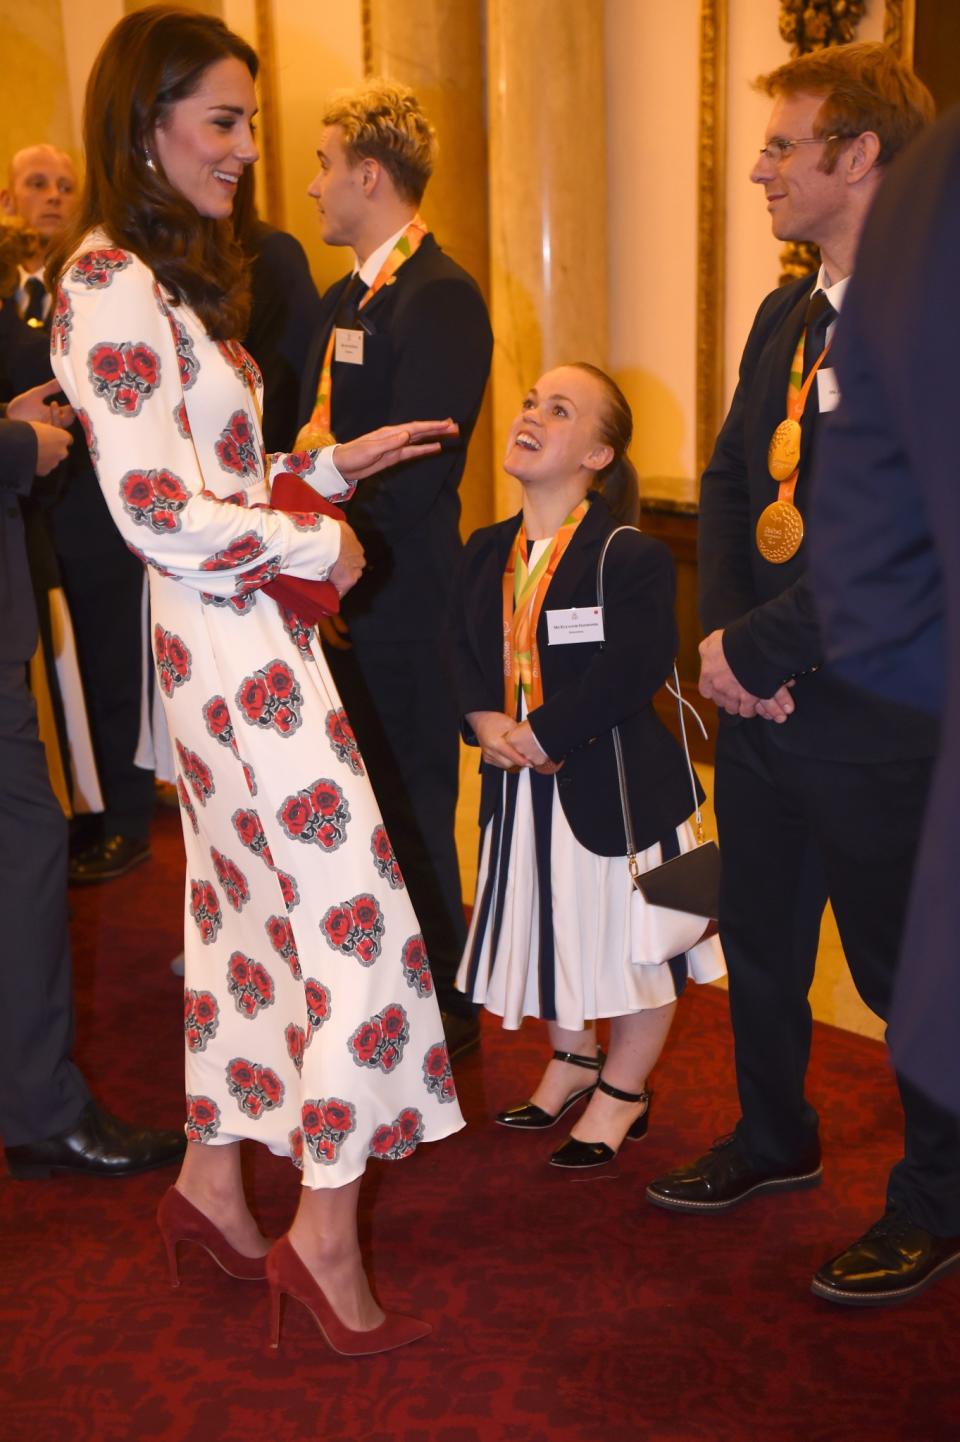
[562, 1309]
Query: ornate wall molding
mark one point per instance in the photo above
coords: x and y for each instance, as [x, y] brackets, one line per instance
[814, 24]
[366, 33]
[900, 27]
[269, 114]
[711, 226]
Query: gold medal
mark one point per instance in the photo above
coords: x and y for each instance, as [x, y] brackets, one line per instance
[313, 438]
[779, 532]
[783, 456]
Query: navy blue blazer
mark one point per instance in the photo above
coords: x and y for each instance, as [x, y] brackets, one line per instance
[767, 611]
[426, 356]
[886, 553]
[588, 687]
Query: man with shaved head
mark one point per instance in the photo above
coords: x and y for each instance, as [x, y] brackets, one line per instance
[102, 581]
[42, 190]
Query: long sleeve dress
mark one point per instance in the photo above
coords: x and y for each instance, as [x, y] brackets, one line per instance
[310, 1018]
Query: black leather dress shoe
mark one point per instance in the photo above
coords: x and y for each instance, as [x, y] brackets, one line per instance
[97, 1146]
[726, 1176]
[112, 857]
[891, 1262]
[462, 1032]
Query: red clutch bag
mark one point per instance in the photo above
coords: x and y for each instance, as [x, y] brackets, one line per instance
[309, 600]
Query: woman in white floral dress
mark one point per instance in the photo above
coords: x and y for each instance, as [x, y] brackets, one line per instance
[310, 1019]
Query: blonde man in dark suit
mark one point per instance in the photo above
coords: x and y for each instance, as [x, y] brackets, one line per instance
[407, 329]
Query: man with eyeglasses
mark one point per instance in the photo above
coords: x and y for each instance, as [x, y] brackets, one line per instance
[820, 789]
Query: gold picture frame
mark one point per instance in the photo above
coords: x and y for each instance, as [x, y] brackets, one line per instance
[900, 27]
[711, 227]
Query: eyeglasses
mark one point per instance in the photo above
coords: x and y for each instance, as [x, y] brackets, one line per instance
[778, 148]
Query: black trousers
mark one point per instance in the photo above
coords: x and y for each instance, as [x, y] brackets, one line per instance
[41, 1091]
[793, 832]
[403, 714]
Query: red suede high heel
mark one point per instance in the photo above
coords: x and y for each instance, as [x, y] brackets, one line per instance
[288, 1276]
[180, 1221]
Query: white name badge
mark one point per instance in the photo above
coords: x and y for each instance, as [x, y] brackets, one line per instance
[828, 392]
[584, 623]
[348, 347]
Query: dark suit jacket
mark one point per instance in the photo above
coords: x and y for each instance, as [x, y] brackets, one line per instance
[69, 512]
[283, 320]
[886, 557]
[18, 614]
[588, 687]
[766, 611]
[24, 353]
[24, 363]
[427, 352]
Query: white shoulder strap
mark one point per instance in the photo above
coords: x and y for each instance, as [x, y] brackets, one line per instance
[682, 703]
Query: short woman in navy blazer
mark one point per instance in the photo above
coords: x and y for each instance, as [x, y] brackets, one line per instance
[540, 694]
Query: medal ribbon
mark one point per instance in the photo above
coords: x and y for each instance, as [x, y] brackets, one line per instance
[317, 431]
[797, 391]
[523, 596]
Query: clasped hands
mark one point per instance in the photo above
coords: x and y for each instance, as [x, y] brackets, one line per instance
[719, 684]
[509, 744]
[50, 421]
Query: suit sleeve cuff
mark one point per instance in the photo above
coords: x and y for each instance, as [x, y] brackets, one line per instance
[548, 738]
[754, 670]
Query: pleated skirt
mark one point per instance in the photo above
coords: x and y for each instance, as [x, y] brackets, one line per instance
[554, 927]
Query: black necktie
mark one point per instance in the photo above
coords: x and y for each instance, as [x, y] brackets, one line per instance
[353, 293]
[36, 298]
[820, 315]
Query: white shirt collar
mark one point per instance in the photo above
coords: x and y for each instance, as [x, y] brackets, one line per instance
[370, 269]
[835, 292]
[21, 295]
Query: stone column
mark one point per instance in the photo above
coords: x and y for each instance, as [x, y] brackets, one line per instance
[436, 48]
[548, 198]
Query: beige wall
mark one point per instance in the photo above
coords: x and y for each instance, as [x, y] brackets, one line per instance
[85, 28]
[34, 104]
[319, 48]
[754, 46]
[651, 60]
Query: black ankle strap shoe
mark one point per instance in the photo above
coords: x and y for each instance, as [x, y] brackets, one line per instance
[578, 1155]
[528, 1117]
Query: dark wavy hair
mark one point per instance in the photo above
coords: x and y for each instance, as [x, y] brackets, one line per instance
[152, 59]
[617, 483]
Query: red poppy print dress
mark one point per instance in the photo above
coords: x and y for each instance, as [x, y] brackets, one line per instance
[310, 1017]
